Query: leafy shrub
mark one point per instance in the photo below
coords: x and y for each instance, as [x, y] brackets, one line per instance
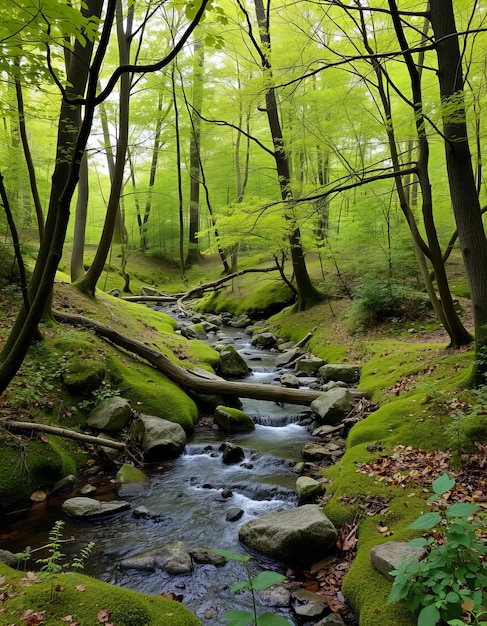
[451, 581]
[376, 302]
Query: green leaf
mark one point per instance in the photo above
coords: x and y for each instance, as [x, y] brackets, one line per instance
[240, 585]
[461, 509]
[267, 579]
[232, 556]
[426, 521]
[428, 616]
[419, 542]
[271, 619]
[238, 618]
[398, 592]
[443, 484]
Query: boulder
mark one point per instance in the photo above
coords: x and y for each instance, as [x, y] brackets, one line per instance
[308, 365]
[193, 331]
[388, 556]
[298, 536]
[264, 340]
[160, 439]
[131, 481]
[240, 321]
[111, 453]
[231, 453]
[234, 513]
[203, 556]
[232, 364]
[289, 380]
[308, 489]
[333, 405]
[87, 508]
[112, 414]
[340, 371]
[9, 558]
[171, 557]
[232, 420]
[64, 485]
[288, 356]
[315, 453]
[82, 376]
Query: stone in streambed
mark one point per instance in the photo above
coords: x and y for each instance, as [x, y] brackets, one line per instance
[232, 420]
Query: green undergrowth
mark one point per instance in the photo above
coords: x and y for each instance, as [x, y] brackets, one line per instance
[89, 602]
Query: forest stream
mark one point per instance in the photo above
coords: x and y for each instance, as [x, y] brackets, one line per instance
[187, 494]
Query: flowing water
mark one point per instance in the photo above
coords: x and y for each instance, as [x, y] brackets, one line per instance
[187, 493]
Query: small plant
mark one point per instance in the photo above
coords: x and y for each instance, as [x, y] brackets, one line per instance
[263, 580]
[51, 565]
[451, 581]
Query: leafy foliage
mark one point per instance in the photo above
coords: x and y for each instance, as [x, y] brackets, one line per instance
[263, 580]
[452, 579]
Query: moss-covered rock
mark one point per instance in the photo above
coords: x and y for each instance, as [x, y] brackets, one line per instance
[232, 420]
[82, 376]
[86, 599]
[130, 480]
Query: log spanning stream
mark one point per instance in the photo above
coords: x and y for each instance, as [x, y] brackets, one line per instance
[187, 494]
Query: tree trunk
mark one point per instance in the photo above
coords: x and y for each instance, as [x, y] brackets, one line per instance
[77, 252]
[193, 255]
[87, 283]
[307, 293]
[461, 179]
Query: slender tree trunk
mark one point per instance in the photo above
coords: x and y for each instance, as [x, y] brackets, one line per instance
[87, 283]
[28, 159]
[178, 170]
[193, 255]
[461, 179]
[77, 266]
[307, 293]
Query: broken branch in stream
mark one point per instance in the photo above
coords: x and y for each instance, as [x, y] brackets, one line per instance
[191, 380]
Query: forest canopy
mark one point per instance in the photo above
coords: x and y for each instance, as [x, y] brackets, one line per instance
[348, 130]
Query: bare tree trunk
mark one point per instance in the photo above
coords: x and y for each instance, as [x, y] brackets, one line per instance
[87, 283]
[307, 293]
[77, 267]
[461, 179]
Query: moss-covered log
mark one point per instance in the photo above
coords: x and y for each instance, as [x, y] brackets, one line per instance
[190, 380]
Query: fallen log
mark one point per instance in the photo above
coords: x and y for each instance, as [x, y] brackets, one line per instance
[10, 424]
[188, 380]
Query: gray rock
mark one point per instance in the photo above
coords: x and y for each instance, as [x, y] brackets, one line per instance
[264, 340]
[87, 508]
[64, 485]
[288, 356]
[277, 595]
[308, 489]
[232, 420]
[341, 371]
[171, 557]
[315, 453]
[131, 481]
[323, 430]
[241, 321]
[297, 536]
[231, 453]
[234, 514]
[388, 556]
[313, 604]
[112, 414]
[289, 380]
[142, 512]
[9, 558]
[333, 405]
[160, 439]
[232, 364]
[111, 453]
[203, 555]
[308, 365]
[87, 490]
[333, 384]
[116, 293]
[334, 619]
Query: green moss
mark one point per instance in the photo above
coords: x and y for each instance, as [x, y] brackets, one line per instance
[30, 465]
[83, 597]
[152, 393]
